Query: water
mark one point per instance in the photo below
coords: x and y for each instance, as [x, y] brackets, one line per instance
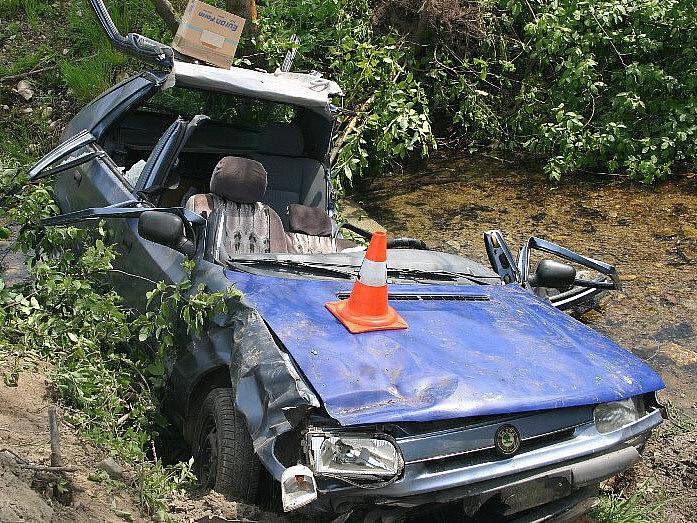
[648, 233]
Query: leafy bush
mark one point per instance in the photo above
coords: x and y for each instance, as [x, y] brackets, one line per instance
[615, 84]
[337, 37]
[107, 360]
[602, 86]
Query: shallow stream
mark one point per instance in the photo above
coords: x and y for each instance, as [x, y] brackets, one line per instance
[648, 232]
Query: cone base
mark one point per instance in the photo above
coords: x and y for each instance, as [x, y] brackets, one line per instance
[358, 324]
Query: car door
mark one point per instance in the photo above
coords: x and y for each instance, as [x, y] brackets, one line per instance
[581, 293]
[89, 180]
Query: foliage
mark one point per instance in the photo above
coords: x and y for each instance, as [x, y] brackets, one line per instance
[600, 86]
[603, 85]
[613, 81]
[108, 362]
[337, 37]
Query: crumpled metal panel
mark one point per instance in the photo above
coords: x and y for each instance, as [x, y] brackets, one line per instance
[270, 392]
[509, 353]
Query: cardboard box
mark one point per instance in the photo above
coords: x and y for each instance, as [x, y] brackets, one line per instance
[209, 34]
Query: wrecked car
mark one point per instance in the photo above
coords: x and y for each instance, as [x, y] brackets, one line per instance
[487, 396]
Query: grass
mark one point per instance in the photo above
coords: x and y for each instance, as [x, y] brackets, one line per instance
[31, 10]
[679, 422]
[640, 507]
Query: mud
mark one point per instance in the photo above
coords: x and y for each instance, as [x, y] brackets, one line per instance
[648, 233]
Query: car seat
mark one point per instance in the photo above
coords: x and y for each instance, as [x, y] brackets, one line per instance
[311, 231]
[238, 222]
[293, 178]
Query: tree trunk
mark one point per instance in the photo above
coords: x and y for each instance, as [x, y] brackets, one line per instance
[247, 9]
[166, 11]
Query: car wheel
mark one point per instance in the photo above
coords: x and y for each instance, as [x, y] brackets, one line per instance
[224, 457]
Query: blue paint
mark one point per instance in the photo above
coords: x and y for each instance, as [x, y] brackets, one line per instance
[511, 353]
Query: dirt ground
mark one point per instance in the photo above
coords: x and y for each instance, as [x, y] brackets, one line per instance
[75, 496]
[649, 233]
[40, 496]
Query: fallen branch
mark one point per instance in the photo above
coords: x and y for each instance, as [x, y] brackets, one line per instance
[353, 122]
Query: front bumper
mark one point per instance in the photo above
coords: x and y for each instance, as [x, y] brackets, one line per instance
[586, 457]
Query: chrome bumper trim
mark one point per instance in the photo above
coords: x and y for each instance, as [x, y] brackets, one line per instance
[586, 441]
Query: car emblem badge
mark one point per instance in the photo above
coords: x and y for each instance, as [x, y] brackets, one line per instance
[507, 440]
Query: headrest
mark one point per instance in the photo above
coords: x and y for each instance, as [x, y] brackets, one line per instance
[309, 220]
[281, 140]
[239, 180]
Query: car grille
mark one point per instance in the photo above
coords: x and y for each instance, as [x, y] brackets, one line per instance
[490, 455]
[471, 441]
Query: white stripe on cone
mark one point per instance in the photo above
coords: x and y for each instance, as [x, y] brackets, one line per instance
[373, 274]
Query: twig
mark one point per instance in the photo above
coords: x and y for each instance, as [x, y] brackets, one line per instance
[592, 112]
[23, 463]
[502, 160]
[166, 12]
[608, 37]
[349, 129]
[56, 459]
[532, 12]
[132, 275]
[28, 73]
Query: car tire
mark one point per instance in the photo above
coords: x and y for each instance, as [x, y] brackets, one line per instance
[224, 457]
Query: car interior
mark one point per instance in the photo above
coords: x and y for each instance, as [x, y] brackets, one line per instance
[256, 168]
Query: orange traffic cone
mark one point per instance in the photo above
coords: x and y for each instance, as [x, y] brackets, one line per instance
[367, 309]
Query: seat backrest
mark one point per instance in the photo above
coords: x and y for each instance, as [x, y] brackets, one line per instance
[312, 231]
[238, 222]
[292, 178]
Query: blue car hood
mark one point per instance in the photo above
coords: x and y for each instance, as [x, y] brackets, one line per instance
[505, 352]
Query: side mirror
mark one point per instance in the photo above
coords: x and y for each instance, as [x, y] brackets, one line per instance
[553, 274]
[166, 229]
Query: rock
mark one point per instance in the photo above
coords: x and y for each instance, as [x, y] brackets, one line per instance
[47, 111]
[453, 244]
[27, 110]
[18, 501]
[112, 468]
[25, 90]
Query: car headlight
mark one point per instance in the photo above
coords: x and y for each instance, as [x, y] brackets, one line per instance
[616, 414]
[353, 455]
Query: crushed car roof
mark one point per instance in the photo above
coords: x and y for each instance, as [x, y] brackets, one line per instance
[305, 90]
